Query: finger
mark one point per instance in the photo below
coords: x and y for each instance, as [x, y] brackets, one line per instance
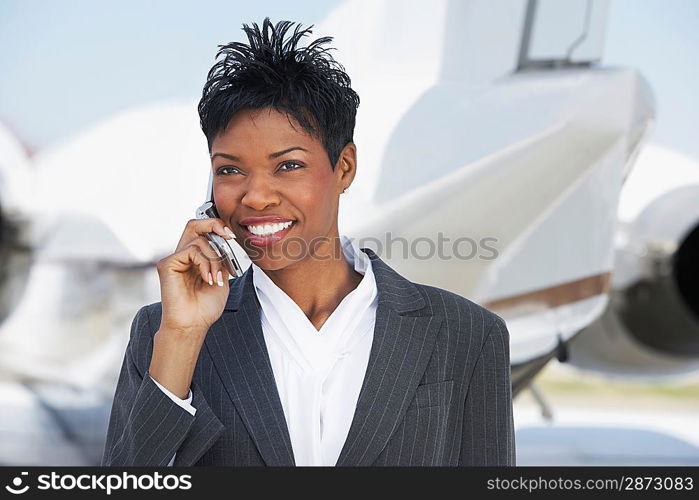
[189, 258]
[216, 262]
[199, 227]
[217, 265]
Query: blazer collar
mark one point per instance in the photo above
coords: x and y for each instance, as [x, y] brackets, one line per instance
[404, 335]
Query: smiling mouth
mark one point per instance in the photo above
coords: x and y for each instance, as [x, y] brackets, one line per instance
[267, 234]
[263, 230]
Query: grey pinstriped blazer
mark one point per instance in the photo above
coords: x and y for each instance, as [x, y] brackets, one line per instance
[437, 389]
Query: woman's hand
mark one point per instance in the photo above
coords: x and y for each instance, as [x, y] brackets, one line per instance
[192, 300]
[193, 280]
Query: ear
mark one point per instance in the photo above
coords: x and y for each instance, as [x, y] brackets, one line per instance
[346, 167]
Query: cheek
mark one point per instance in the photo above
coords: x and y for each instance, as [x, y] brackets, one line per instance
[317, 198]
[225, 199]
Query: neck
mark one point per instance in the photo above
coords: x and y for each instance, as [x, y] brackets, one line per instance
[319, 282]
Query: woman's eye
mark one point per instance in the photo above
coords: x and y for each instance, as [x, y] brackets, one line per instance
[294, 165]
[220, 170]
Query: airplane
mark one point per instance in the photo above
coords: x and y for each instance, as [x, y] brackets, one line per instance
[499, 130]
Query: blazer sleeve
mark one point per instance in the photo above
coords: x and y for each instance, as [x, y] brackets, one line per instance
[146, 427]
[488, 435]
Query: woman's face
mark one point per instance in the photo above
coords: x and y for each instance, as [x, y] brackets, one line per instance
[263, 166]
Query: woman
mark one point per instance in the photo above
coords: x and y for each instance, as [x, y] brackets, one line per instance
[320, 353]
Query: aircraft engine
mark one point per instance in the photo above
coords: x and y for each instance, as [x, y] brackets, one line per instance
[15, 253]
[651, 324]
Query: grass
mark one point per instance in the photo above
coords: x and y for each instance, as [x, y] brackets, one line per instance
[560, 382]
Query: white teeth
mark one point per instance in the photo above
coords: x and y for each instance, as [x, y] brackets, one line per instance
[267, 229]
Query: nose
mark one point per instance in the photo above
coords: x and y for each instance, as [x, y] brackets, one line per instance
[259, 193]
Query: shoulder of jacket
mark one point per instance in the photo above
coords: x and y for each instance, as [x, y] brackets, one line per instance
[449, 304]
[148, 312]
[154, 310]
[145, 323]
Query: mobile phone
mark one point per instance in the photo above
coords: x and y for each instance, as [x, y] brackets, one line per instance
[218, 243]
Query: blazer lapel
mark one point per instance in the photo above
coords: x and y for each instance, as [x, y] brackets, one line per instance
[236, 344]
[400, 350]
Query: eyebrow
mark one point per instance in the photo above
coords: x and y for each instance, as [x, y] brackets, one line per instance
[271, 156]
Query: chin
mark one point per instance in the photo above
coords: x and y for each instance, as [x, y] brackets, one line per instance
[267, 264]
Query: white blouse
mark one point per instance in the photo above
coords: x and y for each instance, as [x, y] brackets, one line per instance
[318, 373]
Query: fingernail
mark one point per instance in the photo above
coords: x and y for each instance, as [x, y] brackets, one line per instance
[211, 279]
[229, 232]
[219, 278]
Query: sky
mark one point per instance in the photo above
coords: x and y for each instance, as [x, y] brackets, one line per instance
[65, 65]
[661, 39]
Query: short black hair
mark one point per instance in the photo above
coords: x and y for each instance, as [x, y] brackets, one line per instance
[271, 72]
